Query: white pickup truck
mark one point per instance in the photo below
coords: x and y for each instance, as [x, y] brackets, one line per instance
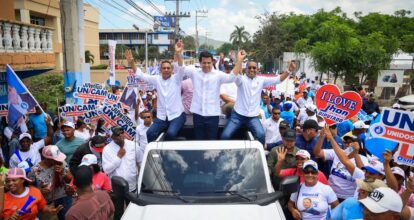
[204, 180]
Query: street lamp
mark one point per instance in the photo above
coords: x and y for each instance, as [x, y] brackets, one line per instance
[146, 46]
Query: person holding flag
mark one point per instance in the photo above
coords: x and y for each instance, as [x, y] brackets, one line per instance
[23, 201]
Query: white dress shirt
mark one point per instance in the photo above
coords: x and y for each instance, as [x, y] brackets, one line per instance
[169, 103]
[206, 94]
[125, 167]
[141, 135]
[302, 101]
[229, 89]
[249, 92]
[271, 128]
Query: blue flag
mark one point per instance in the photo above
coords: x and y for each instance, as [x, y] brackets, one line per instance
[19, 100]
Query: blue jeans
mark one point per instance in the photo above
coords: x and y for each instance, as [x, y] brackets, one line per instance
[67, 203]
[236, 121]
[205, 127]
[172, 127]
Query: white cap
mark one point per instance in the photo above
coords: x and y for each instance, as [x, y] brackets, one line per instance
[311, 163]
[89, 159]
[398, 171]
[68, 124]
[360, 125]
[311, 107]
[25, 135]
[383, 199]
[396, 105]
[303, 153]
[375, 166]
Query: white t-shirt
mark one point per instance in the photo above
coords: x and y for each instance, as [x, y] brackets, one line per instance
[341, 181]
[313, 202]
[271, 128]
[32, 153]
[229, 89]
[84, 135]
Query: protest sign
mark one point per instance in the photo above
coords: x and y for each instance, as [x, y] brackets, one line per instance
[91, 117]
[405, 154]
[91, 93]
[336, 107]
[395, 125]
[133, 81]
[75, 110]
[111, 47]
[363, 116]
[114, 115]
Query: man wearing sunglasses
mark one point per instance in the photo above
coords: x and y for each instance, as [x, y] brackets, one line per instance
[247, 107]
[141, 135]
[271, 127]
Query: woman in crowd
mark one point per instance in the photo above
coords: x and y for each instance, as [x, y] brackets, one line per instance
[82, 131]
[313, 198]
[23, 201]
[51, 176]
[100, 180]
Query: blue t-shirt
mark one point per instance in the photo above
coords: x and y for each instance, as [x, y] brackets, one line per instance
[344, 127]
[288, 116]
[350, 209]
[37, 122]
[306, 145]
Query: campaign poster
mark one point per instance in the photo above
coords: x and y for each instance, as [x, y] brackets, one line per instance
[335, 107]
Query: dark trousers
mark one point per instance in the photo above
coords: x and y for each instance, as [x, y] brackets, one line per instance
[205, 127]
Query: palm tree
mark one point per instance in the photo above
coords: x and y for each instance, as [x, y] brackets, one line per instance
[89, 57]
[239, 36]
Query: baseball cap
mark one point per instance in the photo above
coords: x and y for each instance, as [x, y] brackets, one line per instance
[16, 173]
[310, 123]
[68, 124]
[374, 167]
[53, 152]
[360, 125]
[289, 135]
[284, 124]
[98, 143]
[116, 130]
[383, 199]
[287, 105]
[303, 153]
[398, 171]
[352, 137]
[311, 163]
[396, 106]
[89, 159]
[370, 185]
[25, 135]
[311, 107]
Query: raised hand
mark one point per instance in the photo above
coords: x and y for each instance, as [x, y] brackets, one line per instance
[291, 66]
[179, 47]
[328, 133]
[387, 156]
[241, 54]
[281, 153]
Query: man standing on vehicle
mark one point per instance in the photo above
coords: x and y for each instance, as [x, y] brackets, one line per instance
[205, 105]
[247, 107]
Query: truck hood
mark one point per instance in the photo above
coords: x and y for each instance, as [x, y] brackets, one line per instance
[272, 211]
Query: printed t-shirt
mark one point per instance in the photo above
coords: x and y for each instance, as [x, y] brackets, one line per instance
[14, 202]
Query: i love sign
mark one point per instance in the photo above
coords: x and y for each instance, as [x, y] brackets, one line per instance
[336, 107]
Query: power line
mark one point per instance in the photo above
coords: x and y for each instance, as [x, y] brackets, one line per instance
[102, 16]
[124, 10]
[154, 7]
[139, 9]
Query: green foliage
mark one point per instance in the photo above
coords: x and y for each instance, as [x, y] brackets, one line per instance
[239, 36]
[226, 48]
[47, 87]
[189, 43]
[99, 67]
[206, 47]
[89, 57]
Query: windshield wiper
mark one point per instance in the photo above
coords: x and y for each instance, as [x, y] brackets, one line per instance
[172, 192]
[231, 192]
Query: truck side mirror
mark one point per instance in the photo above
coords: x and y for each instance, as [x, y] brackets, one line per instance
[119, 186]
[289, 185]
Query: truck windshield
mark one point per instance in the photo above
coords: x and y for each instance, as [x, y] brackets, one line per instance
[204, 172]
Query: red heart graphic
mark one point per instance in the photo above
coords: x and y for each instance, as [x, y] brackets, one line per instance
[336, 107]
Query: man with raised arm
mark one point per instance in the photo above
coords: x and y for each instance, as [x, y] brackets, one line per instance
[247, 107]
[170, 110]
[205, 104]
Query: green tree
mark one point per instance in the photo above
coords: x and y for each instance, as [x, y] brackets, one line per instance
[89, 57]
[226, 48]
[239, 36]
[206, 47]
[189, 43]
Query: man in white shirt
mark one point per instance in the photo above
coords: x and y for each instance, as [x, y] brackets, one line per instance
[121, 156]
[309, 112]
[205, 105]
[228, 93]
[271, 127]
[141, 135]
[170, 109]
[304, 100]
[247, 107]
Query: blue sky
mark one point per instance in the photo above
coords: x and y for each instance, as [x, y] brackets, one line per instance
[224, 14]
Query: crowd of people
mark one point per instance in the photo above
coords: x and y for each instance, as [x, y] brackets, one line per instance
[62, 170]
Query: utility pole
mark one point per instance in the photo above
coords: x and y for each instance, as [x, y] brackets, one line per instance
[206, 41]
[202, 12]
[177, 15]
[73, 54]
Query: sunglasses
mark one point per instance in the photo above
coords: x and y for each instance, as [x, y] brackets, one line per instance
[276, 113]
[147, 117]
[314, 172]
[251, 67]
